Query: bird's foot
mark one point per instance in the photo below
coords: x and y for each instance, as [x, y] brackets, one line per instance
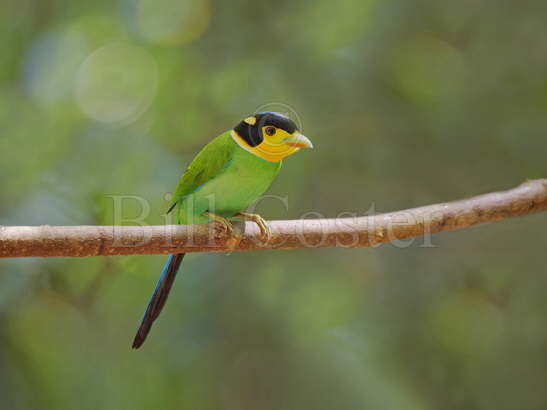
[223, 222]
[265, 232]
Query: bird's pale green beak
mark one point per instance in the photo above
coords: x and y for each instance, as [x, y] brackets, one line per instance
[298, 140]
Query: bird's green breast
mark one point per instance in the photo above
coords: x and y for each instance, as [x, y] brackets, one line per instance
[243, 179]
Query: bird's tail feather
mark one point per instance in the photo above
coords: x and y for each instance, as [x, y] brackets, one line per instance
[161, 292]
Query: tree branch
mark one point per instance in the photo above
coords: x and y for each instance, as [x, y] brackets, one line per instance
[44, 241]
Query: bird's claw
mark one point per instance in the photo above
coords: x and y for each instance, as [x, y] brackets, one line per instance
[265, 232]
[223, 222]
[227, 226]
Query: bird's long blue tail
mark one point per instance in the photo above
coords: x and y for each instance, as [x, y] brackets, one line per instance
[161, 292]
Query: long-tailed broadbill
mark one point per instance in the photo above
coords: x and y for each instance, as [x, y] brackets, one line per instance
[231, 172]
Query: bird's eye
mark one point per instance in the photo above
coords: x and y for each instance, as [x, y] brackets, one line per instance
[270, 131]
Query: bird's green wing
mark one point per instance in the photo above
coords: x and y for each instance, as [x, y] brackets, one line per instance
[207, 165]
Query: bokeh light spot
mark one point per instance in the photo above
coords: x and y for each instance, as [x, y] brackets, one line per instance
[117, 83]
[428, 70]
[51, 65]
[172, 21]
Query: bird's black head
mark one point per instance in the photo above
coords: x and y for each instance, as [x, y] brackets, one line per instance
[269, 135]
[252, 128]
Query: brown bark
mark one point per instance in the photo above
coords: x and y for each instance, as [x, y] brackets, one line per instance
[44, 241]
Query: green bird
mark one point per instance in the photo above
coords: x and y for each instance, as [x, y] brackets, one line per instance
[227, 175]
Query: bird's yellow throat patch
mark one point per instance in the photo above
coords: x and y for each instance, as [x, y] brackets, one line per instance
[269, 150]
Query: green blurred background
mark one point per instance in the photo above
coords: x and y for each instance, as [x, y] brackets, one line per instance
[407, 102]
